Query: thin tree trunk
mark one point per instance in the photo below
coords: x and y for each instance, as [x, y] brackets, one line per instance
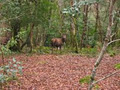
[108, 34]
[85, 19]
[3, 61]
[72, 29]
[97, 16]
[15, 25]
[60, 6]
[29, 40]
[73, 32]
[75, 35]
[98, 23]
[31, 37]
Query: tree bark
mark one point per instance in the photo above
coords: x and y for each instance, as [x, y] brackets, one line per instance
[74, 34]
[15, 25]
[29, 40]
[73, 31]
[31, 36]
[98, 23]
[60, 7]
[85, 19]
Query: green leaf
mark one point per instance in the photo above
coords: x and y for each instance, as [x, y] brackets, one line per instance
[14, 60]
[2, 78]
[8, 70]
[117, 66]
[14, 71]
[9, 78]
[20, 69]
[96, 87]
[7, 66]
[18, 62]
[15, 65]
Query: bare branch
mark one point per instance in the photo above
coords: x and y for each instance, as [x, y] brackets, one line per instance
[113, 41]
[112, 36]
[107, 76]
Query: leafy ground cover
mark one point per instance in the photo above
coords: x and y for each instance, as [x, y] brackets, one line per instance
[63, 72]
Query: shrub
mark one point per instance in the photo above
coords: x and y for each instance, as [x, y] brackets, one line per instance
[9, 72]
[89, 51]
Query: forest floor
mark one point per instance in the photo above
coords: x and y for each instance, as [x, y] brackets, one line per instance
[63, 72]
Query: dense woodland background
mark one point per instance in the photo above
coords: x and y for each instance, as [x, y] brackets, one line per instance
[91, 26]
[33, 23]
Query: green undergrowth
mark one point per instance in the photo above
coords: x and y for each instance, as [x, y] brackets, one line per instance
[66, 50]
[9, 72]
[112, 51]
[90, 52]
[42, 50]
[86, 80]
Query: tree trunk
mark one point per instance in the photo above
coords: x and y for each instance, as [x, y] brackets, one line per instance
[29, 40]
[60, 6]
[106, 41]
[98, 24]
[75, 35]
[85, 19]
[31, 36]
[15, 25]
[74, 41]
